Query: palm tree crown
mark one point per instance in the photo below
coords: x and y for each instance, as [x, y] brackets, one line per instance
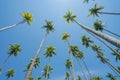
[95, 11]
[98, 25]
[28, 17]
[68, 64]
[47, 71]
[96, 78]
[65, 36]
[50, 51]
[86, 41]
[49, 26]
[10, 73]
[14, 49]
[111, 77]
[69, 17]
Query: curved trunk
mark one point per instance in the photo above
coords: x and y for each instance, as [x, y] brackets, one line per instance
[111, 32]
[73, 71]
[106, 37]
[29, 72]
[117, 53]
[109, 13]
[87, 68]
[82, 69]
[14, 25]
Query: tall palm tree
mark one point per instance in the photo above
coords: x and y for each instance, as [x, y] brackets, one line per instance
[71, 18]
[96, 10]
[46, 72]
[97, 78]
[10, 73]
[115, 52]
[49, 52]
[111, 77]
[104, 59]
[27, 17]
[49, 28]
[14, 50]
[98, 25]
[79, 56]
[86, 41]
[65, 37]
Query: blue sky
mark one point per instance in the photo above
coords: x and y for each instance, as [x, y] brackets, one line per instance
[30, 37]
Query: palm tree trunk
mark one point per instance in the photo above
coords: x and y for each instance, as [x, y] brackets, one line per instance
[109, 13]
[113, 70]
[106, 37]
[82, 69]
[14, 25]
[87, 68]
[111, 32]
[117, 53]
[110, 65]
[5, 61]
[71, 58]
[48, 69]
[29, 72]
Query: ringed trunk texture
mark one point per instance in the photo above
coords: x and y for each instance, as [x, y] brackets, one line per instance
[29, 72]
[106, 37]
[14, 25]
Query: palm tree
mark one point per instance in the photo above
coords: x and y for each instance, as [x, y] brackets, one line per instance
[79, 55]
[14, 50]
[98, 25]
[97, 10]
[10, 73]
[111, 77]
[36, 64]
[115, 52]
[67, 77]
[46, 72]
[49, 28]
[86, 41]
[104, 59]
[27, 17]
[49, 52]
[65, 37]
[97, 78]
[71, 18]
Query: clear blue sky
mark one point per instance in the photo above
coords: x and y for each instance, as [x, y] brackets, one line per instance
[30, 37]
